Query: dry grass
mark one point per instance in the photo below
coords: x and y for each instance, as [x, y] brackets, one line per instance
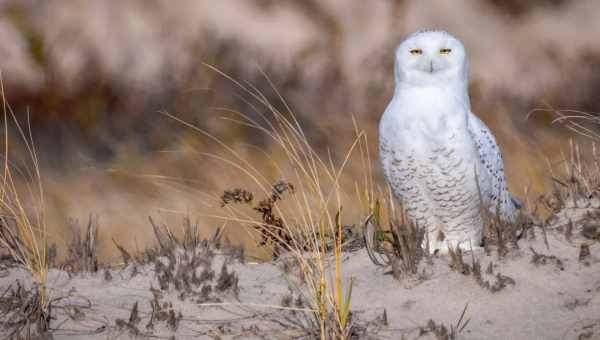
[543, 259]
[186, 264]
[581, 122]
[441, 332]
[575, 182]
[490, 280]
[23, 312]
[574, 201]
[575, 179]
[400, 246]
[187, 267]
[82, 252]
[105, 108]
[503, 236]
[22, 223]
[307, 225]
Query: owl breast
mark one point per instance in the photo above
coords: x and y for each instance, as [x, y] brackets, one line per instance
[435, 179]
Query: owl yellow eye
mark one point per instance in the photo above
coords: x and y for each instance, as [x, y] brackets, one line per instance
[416, 51]
[445, 51]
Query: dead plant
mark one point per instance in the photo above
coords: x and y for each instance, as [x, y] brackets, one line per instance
[82, 251]
[22, 219]
[23, 313]
[400, 246]
[441, 332]
[162, 312]
[273, 233]
[575, 198]
[542, 259]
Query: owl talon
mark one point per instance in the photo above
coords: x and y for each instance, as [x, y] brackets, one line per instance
[443, 247]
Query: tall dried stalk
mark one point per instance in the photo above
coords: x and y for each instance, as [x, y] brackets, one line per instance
[22, 223]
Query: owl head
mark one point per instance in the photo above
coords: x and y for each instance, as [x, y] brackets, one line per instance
[431, 59]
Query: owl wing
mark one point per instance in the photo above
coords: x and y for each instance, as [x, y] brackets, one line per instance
[490, 157]
[385, 153]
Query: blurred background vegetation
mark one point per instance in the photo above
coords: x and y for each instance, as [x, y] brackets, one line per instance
[93, 75]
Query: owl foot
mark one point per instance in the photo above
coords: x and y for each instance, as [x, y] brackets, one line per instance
[443, 247]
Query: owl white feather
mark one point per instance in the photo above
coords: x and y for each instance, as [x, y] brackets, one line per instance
[439, 159]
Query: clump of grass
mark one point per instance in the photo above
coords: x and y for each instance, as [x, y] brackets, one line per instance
[227, 281]
[575, 201]
[495, 284]
[502, 235]
[401, 245]
[131, 325]
[575, 198]
[22, 221]
[24, 313]
[82, 251]
[542, 259]
[438, 330]
[310, 219]
[584, 254]
[292, 299]
[458, 264]
[441, 332]
[162, 312]
[185, 265]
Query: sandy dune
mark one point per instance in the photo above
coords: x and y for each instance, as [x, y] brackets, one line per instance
[557, 298]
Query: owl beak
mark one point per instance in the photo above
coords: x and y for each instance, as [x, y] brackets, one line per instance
[431, 66]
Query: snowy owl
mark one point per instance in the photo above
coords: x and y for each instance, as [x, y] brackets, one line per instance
[440, 160]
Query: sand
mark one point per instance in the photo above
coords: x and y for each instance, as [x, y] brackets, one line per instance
[555, 300]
